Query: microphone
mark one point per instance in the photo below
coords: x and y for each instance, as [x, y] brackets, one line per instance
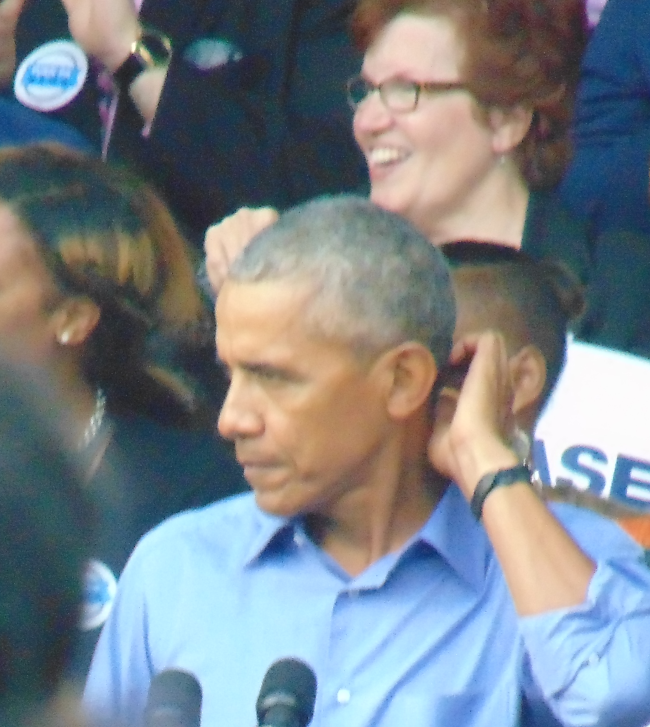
[287, 695]
[174, 700]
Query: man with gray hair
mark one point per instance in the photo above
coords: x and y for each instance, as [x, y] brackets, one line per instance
[393, 540]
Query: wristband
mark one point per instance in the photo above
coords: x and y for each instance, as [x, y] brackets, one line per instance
[492, 480]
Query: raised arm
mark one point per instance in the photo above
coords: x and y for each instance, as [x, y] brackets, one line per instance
[9, 14]
[544, 568]
[581, 591]
[270, 126]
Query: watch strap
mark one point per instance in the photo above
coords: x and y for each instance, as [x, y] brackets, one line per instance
[128, 71]
[492, 480]
[150, 50]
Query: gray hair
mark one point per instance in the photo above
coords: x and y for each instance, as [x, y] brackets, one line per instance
[377, 281]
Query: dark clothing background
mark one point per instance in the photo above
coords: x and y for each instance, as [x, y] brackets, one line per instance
[271, 129]
[615, 265]
[148, 473]
[20, 125]
[607, 181]
[42, 21]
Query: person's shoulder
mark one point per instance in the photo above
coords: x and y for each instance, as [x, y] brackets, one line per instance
[553, 231]
[548, 212]
[220, 531]
[195, 464]
[21, 125]
[217, 521]
[598, 536]
[621, 16]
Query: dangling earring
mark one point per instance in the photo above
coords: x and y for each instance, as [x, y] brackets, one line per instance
[64, 338]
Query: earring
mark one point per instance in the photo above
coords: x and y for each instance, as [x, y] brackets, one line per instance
[521, 444]
[64, 338]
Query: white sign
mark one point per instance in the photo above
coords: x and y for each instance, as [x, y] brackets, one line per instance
[595, 430]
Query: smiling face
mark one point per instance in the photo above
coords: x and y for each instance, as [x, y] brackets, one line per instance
[425, 163]
[307, 418]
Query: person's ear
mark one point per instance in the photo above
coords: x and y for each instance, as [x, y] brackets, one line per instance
[509, 128]
[74, 320]
[408, 372]
[528, 373]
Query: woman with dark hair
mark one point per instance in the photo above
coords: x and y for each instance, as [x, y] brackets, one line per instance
[97, 287]
[106, 272]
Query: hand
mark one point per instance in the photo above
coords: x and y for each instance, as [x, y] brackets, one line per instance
[9, 13]
[472, 427]
[225, 240]
[105, 29]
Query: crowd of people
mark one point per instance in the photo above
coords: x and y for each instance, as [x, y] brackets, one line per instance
[402, 213]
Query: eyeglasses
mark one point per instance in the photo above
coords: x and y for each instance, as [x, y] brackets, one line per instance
[397, 94]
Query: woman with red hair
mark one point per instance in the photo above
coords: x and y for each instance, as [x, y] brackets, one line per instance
[462, 110]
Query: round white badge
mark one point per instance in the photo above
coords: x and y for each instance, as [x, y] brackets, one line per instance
[99, 588]
[51, 75]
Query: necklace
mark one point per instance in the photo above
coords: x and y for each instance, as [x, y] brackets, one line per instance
[95, 421]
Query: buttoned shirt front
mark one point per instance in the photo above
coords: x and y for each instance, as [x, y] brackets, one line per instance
[426, 637]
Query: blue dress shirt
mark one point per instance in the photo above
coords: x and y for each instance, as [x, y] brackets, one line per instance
[426, 637]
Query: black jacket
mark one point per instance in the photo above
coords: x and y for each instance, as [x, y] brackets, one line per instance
[614, 265]
[272, 128]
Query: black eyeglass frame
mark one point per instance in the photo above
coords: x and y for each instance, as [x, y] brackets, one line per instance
[416, 87]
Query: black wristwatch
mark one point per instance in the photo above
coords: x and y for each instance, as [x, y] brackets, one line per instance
[152, 49]
[489, 482]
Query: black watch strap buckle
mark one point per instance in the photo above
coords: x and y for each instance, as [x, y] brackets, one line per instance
[492, 480]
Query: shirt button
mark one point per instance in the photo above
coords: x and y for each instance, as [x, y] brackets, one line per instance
[593, 659]
[299, 539]
[343, 696]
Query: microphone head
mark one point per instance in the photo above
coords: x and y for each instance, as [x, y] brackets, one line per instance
[291, 684]
[174, 700]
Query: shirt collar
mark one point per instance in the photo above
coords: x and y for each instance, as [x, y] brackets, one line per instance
[454, 533]
[451, 530]
[268, 527]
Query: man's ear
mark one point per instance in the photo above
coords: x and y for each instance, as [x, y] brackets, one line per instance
[408, 372]
[528, 372]
[509, 128]
[74, 320]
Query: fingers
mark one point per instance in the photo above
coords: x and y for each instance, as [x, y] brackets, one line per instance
[467, 347]
[225, 240]
[10, 10]
[9, 14]
[486, 396]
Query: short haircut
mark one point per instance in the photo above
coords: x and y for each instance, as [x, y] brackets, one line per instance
[377, 281]
[542, 299]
